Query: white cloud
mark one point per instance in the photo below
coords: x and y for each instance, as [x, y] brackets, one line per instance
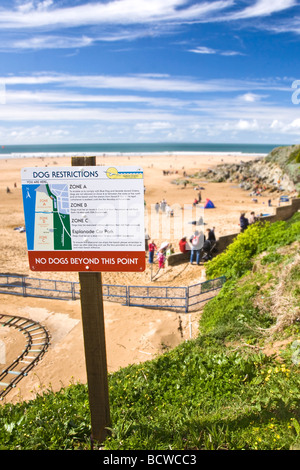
[208, 50]
[250, 97]
[153, 127]
[156, 105]
[263, 8]
[25, 7]
[21, 135]
[243, 125]
[295, 124]
[57, 97]
[290, 25]
[48, 42]
[203, 50]
[231, 53]
[36, 14]
[123, 20]
[33, 15]
[62, 114]
[287, 127]
[144, 82]
[276, 124]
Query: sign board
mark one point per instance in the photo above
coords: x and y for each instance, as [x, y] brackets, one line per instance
[87, 218]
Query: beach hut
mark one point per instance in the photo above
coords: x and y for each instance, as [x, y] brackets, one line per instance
[209, 204]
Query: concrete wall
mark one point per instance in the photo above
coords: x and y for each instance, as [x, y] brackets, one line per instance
[282, 213]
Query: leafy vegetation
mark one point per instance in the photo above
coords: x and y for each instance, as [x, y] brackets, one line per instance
[219, 391]
[295, 156]
[238, 258]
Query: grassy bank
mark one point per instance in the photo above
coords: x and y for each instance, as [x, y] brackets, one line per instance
[235, 387]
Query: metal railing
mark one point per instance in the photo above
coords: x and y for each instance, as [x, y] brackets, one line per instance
[185, 298]
[37, 342]
[203, 291]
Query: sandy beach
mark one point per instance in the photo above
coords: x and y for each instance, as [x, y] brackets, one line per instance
[133, 334]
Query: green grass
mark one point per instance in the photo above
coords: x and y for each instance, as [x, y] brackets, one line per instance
[238, 258]
[199, 396]
[219, 391]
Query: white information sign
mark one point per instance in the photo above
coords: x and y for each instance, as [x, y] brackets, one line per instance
[81, 218]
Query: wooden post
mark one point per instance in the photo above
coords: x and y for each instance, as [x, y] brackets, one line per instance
[94, 341]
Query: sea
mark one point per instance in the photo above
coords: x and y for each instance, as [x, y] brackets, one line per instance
[100, 149]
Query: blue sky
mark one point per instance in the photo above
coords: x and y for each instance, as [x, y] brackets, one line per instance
[149, 71]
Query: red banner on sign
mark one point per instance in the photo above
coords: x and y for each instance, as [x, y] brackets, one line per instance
[99, 261]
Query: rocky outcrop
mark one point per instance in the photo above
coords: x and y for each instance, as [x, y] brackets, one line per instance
[276, 172]
[288, 159]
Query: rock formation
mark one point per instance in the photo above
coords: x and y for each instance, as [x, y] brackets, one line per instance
[277, 172]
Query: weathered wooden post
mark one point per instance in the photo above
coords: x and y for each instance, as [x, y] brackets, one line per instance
[92, 313]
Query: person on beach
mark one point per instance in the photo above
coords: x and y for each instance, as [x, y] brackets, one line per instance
[205, 252]
[152, 248]
[183, 245]
[146, 241]
[252, 218]
[210, 235]
[196, 240]
[161, 258]
[168, 210]
[244, 222]
[163, 205]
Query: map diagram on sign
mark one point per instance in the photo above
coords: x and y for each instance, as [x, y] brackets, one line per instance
[49, 229]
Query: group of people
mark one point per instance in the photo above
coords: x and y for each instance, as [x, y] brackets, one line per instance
[166, 249]
[201, 245]
[198, 199]
[245, 222]
[169, 172]
[164, 207]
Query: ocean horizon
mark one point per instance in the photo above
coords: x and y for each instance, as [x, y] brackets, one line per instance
[36, 150]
